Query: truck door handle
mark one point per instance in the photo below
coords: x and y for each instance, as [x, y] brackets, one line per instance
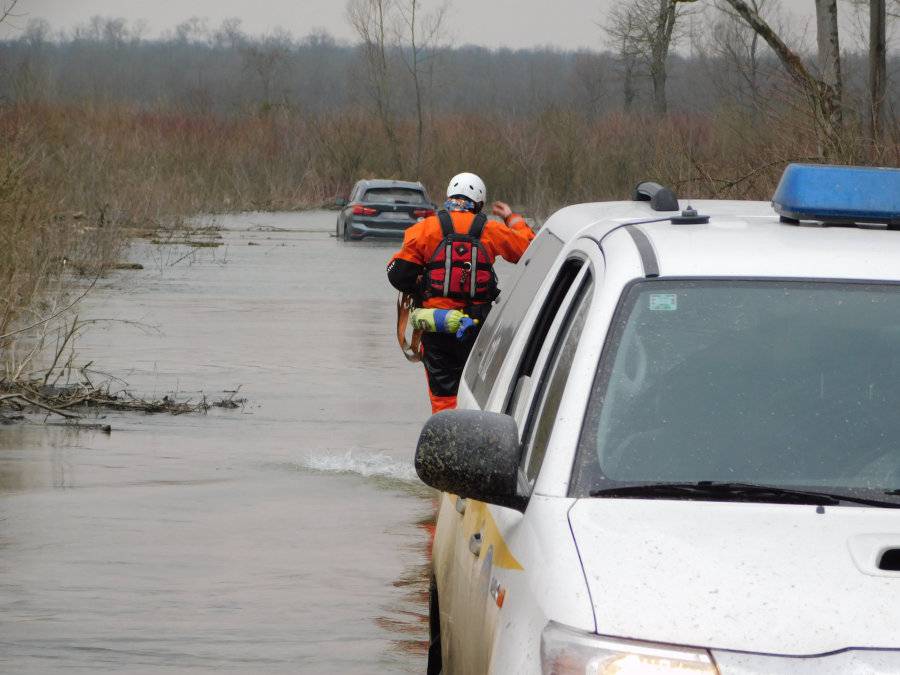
[475, 544]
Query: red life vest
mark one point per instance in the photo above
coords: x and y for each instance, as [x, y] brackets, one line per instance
[460, 267]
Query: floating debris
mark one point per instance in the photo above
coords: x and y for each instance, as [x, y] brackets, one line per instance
[183, 242]
[20, 397]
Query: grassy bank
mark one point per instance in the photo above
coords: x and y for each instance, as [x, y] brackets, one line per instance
[76, 179]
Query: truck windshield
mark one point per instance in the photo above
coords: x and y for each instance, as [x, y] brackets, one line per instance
[752, 382]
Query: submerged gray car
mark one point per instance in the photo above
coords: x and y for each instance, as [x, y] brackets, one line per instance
[382, 208]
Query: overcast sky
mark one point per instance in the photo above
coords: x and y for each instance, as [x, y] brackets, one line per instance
[566, 24]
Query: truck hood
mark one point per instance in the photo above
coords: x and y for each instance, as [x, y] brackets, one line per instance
[764, 578]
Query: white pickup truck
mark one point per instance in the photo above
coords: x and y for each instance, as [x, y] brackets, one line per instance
[678, 442]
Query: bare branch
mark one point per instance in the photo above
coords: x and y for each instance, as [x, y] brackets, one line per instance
[6, 10]
[824, 96]
[54, 315]
[39, 404]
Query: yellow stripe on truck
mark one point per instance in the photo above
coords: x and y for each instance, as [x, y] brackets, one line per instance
[478, 518]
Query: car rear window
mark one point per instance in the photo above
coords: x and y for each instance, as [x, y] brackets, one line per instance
[394, 196]
[788, 383]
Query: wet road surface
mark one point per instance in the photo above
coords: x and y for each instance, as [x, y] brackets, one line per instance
[287, 536]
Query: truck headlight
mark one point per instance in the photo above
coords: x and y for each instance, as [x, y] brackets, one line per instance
[566, 651]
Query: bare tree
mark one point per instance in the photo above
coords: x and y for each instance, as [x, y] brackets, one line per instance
[229, 35]
[37, 32]
[589, 76]
[623, 28]
[645, 29]
[31, 75]
[417, 35]
[115, 31]
[371, 21]
[194, 29]
[830, 55]
[731, 42]
[877, 71]
[823, 96]
[265, 58]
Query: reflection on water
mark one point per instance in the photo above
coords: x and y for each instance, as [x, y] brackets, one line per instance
[407, 616]
[18, 470]
[289, 536]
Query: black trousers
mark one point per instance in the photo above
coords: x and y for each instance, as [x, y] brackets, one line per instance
[444, 358]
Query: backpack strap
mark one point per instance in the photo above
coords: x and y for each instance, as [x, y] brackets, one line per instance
[477, 226]
[446, 222]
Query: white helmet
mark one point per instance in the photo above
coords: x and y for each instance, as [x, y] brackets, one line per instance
[467, 185]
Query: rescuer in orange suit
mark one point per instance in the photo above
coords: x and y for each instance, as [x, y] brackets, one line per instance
[446, 262]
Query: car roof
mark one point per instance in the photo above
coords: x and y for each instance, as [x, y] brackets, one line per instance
[741, 239]
[387, 183]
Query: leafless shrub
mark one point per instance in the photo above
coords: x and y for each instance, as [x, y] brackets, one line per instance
[76, 180]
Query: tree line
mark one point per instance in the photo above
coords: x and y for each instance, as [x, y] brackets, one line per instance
[733, 60]
[721, 61]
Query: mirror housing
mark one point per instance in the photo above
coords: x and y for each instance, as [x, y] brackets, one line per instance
[340, 202]
[473, 454]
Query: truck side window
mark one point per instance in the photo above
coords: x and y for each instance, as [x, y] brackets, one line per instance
[505, 318]
[522, 382]
[552, 383]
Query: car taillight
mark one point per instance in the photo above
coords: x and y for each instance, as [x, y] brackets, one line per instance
[423, 213]
[364, 211]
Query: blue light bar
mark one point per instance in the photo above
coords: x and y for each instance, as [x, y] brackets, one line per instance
[839, 194]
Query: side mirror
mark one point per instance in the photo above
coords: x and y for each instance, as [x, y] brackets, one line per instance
[340, 202]
[472, 454]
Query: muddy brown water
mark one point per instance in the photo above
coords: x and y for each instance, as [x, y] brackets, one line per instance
[287, 536]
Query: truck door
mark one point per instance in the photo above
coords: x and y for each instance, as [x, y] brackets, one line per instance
[458, 520]
[533, 400]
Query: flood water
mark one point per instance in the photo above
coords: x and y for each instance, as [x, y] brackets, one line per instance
[287, 536]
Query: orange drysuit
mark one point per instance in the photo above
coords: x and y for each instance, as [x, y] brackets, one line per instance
[443, 355]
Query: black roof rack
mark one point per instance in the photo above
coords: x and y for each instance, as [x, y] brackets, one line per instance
[660, 198]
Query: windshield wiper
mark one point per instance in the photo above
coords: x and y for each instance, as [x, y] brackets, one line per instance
[740, 492]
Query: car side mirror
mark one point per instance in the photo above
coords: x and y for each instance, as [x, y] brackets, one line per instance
[473, 454]
[340, 202]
